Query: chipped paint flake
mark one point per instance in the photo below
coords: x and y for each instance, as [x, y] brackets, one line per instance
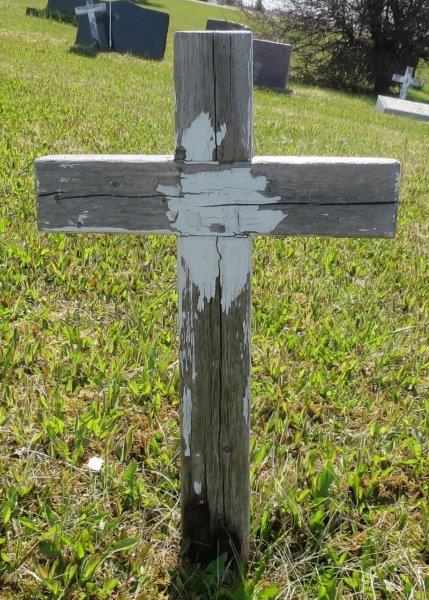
[197, 487]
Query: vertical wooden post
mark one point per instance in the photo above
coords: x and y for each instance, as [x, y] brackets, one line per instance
[213, 80]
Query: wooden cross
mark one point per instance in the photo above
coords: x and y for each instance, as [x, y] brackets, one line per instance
[214, 198]
[407, 80]
[91, 9]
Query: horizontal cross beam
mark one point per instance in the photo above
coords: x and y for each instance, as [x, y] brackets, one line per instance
[411, 80]
[90, 8]
[290, 196]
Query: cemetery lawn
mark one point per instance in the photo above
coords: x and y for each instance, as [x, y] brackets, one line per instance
[89, 360]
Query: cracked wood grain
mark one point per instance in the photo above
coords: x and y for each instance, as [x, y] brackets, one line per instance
[283, 196]
[214, 292]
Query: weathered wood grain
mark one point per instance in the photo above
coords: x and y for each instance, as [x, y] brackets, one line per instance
[214, 291]
[233, 87]
[213, 73]
[214, 309]
[283, 196]
[195, 96]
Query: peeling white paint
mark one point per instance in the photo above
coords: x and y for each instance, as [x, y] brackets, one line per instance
[224, 203]
[200, 139]
[197, 487]
[187, 419]
[199, 262]
[235, 267]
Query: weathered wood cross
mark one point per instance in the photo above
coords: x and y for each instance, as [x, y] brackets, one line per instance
[407, 80]
[214, 198]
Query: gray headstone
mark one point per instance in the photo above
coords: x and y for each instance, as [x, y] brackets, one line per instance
[218, 25]
[271, 60]
[403, 108]
[84, 35]
[64, 6]
[139, 31]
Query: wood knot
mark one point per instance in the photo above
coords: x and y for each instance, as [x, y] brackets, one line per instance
[180, 153]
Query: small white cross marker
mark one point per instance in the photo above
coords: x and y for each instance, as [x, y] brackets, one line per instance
[407, 80]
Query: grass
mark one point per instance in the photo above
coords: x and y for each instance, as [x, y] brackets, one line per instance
[88, 354]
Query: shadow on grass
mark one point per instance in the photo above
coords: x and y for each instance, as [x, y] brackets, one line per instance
[88, 51]
[221, 579]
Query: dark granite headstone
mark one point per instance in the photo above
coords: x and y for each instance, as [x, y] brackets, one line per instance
[271, 64]
[218, 25]
[84, 36]
[270, 59]
[63, 6]
[139, 31]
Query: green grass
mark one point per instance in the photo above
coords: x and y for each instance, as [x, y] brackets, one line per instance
[88, 354]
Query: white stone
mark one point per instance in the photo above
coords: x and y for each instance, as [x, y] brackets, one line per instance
[403, 108]
[95, 464]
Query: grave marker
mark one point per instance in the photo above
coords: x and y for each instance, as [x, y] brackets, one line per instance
[214, 198]
[140, 31]
[91, 10]
[271, 60]
[222, 25]
[403, 108]
[407, 80]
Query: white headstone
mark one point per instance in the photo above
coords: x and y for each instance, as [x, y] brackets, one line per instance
[404, 108]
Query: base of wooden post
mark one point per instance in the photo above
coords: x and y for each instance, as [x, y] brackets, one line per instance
[214, 296]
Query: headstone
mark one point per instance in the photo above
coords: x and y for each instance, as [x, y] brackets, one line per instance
[139, 31]
[63, 6]
[271, 60]
[403, 108]
[90, 12]
[220, 25]
[215, 198]
[407, 80]
[84, 36]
